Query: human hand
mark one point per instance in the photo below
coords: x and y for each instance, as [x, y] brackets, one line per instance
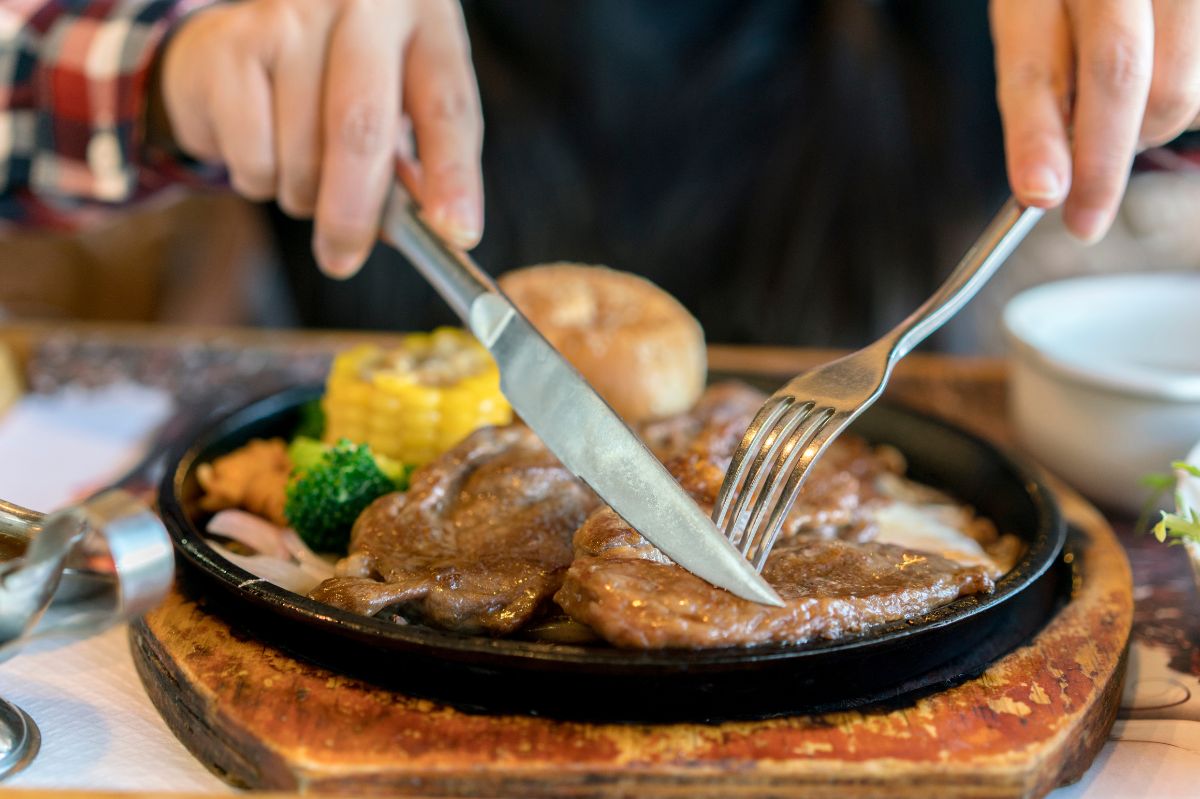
[309, 102]
[1082, 86]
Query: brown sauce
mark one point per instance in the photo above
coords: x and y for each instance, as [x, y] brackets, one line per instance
[11, 547]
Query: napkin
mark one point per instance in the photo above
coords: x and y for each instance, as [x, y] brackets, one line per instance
[99, 730]
[55, 448]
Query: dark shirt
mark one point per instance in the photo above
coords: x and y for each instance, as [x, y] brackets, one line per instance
[795, 172]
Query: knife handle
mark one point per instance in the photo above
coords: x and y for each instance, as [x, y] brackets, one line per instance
[450, 271]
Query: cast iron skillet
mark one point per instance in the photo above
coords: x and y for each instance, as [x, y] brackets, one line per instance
[599, 682]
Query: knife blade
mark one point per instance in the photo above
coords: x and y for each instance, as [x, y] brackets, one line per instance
[573, 421]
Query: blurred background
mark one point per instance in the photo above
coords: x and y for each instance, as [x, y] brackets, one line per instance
[796, 172]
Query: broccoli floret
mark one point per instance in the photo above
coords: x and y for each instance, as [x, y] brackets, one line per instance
[324, 500]
[305, 453]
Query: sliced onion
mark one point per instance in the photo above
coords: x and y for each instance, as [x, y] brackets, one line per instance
[281, 557]
[301, 554]
[277, 571]
[253, 531]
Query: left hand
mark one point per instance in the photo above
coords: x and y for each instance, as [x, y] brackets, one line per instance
[1085, 84]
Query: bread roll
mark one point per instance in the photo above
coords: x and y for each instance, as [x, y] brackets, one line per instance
[633, 342]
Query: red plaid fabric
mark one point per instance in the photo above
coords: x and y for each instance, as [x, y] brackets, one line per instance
[73, 79]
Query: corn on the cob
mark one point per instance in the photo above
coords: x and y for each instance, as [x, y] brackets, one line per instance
[414, 401]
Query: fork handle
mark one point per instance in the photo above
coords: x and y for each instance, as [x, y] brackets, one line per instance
[1002, 235]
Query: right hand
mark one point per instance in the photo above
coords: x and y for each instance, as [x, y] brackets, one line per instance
[308, 102]
[1118, 75]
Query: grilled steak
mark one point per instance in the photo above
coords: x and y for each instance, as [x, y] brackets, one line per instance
[629, 593]
[478, 544]
[483, 539]
[633, 596]
[838, 496]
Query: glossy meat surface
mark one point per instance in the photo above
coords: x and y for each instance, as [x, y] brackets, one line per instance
[633, 596]
[630, 594]
[478, 543]
[838, 496]
[485, 535]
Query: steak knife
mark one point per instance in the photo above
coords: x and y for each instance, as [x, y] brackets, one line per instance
[569, 416]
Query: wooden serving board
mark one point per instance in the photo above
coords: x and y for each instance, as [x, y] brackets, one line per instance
[1031, 722]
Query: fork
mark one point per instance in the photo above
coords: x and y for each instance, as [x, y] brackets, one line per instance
[800, 420]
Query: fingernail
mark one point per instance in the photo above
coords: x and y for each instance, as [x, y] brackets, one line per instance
[460, 221]
[1042, 183]
[1089, 226]
[338, 265]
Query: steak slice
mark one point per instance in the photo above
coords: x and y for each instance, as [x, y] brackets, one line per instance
[634, 597]
[478, 544]
[840, 492]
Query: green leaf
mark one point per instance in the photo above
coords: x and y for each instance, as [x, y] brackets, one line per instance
[1159, 482]
[1178, 527]
[1184, 466]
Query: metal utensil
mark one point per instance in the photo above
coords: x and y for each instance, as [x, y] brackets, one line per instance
[570, 417]
[28, 582]
[86, 567]
[799, 421]
[82, 570]
[20, 739]
[108, 559]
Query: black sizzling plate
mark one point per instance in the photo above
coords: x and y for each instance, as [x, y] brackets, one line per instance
[598, 682]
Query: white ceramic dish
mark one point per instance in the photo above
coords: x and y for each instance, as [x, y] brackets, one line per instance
[1105, 384]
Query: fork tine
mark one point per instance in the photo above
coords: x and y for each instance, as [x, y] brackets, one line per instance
[758, 537]
[766, 417]
[762, 450]
[769, 445]
[813, 449]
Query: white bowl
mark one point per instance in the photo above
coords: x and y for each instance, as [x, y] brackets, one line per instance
[1105, 382]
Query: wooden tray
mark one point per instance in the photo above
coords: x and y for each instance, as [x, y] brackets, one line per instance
[1033, 721]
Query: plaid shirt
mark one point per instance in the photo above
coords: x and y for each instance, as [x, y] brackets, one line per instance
[73, 79]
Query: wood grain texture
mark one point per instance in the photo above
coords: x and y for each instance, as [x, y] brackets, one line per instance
[1032, 721]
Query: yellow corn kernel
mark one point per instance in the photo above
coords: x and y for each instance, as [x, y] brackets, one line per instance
[414, 401]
